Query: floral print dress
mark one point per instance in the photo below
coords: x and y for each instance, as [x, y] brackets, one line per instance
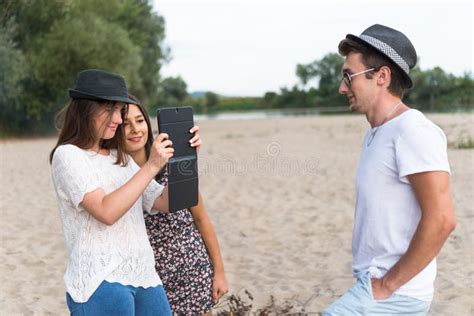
[182, 261]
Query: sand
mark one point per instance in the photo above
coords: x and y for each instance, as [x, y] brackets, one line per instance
[280, 193]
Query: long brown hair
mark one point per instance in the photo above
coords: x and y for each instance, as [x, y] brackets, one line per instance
[76, 125]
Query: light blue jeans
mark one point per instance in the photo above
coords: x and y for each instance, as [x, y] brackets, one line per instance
[123, 300]
[359, 300]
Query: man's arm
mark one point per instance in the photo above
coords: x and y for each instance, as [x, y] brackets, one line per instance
[437, 222]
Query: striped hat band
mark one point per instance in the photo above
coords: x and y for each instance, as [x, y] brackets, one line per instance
[387, 50]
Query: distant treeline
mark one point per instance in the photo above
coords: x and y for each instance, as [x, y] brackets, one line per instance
[45, 43]
[434, 90]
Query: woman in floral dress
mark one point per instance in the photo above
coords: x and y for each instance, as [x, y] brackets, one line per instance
[187, 253]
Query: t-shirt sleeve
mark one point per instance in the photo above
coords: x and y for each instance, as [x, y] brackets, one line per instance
[73, 174]
[422, 147]
[151, 193]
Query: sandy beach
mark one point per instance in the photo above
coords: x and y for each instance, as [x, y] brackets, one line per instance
[280, 193]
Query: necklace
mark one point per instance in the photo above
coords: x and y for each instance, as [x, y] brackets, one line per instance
[372, 134]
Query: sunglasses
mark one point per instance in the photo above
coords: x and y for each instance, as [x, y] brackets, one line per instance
[347, 77]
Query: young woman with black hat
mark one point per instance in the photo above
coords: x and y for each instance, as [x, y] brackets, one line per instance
[101, 195]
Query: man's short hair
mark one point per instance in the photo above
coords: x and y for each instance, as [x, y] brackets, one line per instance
[373, 59]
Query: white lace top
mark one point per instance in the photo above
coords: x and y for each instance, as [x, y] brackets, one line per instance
[117, 253]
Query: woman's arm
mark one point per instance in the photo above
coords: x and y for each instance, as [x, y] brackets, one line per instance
[162, 202]
[203, 224]
[109, 208]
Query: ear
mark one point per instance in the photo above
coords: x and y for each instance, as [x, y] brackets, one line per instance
[384, 76]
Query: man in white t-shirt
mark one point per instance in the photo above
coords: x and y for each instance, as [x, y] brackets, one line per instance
[403, 213]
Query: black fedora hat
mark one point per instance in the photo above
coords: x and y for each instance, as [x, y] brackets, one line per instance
[100, 85]
[392, 44]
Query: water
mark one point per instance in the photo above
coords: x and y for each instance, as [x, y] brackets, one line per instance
[254, 115]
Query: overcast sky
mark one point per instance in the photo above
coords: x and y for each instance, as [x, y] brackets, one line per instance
[250, 47]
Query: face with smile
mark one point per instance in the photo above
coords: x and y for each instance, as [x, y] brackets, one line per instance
[107, 120]
[136, 130]
[358, 88]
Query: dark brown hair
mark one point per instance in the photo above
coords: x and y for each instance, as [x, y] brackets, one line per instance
[76, 125]
[149, 140]
[373, 59]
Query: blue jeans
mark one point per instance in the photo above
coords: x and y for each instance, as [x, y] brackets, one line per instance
[118, 299]
[359, 300]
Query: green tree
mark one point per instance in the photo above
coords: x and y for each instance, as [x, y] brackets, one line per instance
[12, 73]
[326, 72]
[171, 92]
[90, 48]
[212, 100]
[147, 31]
[429, 86]
[461, 96]
[292, 98]
[57, 38]
[268, 98]
[304, 73]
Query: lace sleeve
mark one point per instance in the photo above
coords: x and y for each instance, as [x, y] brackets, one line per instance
[152, 192]
[73, 173]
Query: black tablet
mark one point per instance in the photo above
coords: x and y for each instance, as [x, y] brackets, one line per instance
[182, 167]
